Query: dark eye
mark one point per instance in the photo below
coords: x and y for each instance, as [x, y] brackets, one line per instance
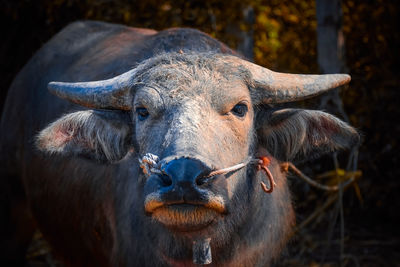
[240, 110]
[142, 113]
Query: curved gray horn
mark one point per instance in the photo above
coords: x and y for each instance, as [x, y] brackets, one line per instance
[114, 93]
[275, 87]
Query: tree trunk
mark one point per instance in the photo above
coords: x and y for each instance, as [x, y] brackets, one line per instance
[247, 40]
[331, 50]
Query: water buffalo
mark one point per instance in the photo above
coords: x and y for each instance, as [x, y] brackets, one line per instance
[145, 153]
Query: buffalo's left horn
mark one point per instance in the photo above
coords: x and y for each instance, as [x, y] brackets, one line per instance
[275, 87]
[114, 93]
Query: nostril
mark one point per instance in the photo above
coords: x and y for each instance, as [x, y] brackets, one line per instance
[201, 180]
[166, 180]
[205, 179]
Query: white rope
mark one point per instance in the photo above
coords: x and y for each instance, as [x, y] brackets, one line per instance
[150, 164]
[234, 167]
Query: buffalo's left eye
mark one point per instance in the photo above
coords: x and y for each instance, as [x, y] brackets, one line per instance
[240, 110]
[142, 113]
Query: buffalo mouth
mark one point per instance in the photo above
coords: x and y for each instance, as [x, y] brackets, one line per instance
[183, 216]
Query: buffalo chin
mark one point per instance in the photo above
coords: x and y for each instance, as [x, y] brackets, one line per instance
[185, 217]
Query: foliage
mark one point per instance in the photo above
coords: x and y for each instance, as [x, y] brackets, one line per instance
[285, 35]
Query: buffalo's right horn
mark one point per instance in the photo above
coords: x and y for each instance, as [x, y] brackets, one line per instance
[114, 93]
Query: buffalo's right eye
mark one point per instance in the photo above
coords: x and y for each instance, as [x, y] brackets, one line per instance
[142, 113]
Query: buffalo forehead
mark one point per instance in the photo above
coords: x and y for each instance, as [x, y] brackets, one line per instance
[219, 94]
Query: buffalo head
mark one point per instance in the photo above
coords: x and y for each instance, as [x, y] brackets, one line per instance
[199, 112]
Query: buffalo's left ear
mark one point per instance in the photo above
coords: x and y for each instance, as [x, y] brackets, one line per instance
[289, 134]
[100, 135]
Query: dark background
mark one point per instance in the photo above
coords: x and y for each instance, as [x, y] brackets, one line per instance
[284, 38]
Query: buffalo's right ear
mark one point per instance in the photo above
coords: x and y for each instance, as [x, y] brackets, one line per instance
[101, 135]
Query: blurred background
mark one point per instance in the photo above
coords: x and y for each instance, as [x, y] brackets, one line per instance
[358, 227]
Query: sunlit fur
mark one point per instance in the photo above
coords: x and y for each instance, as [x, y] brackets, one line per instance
[86, 133]
[190, 69]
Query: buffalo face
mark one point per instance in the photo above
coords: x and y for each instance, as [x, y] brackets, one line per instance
[196, 121]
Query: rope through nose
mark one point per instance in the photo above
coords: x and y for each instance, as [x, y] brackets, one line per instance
[232, 168]
[262, 164]
[150, 164]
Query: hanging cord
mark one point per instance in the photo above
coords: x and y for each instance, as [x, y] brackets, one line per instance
[290, 166]
[150, 164]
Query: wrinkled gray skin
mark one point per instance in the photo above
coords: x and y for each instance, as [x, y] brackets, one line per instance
[83, 186]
